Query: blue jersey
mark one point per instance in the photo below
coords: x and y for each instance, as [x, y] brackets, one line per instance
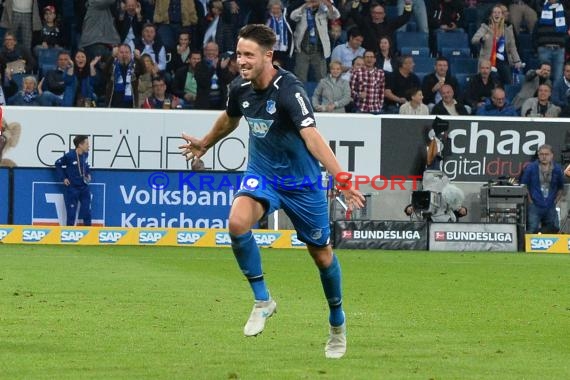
[74, 167]
[275, 117]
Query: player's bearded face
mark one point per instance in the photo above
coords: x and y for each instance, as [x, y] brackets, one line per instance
[251, 59]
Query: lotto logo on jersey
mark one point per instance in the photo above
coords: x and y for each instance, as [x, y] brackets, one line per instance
[111, 236]
[4, 232]
[259, 127]
[188, 238]
[151, 237]
[34, 235]
[72, 236]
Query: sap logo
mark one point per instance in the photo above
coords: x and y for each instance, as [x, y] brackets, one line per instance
[266, 239]
[110, 236]
[295, 242]
[542, 244]
[150, 237]
[72, 236]
[259, 127]
[188, 237]
[263, 239]
[34, 236]
[4, 232]
[223, 238]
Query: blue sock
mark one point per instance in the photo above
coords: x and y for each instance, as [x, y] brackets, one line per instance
[248, 257]
[331, 280]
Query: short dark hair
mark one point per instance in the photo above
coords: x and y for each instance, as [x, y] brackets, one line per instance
[441, 58]
[355, 58]
[411, 92]
[158, 78]
[402, 58]
[78, 140]
[259, 33]
[355, 32]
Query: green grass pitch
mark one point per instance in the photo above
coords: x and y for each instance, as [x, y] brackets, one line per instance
[70, 312]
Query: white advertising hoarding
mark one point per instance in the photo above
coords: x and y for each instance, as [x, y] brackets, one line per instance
[145, 139]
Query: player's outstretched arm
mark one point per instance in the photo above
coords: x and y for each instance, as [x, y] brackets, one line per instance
[567, 171]
[322, 152]
[196, 148]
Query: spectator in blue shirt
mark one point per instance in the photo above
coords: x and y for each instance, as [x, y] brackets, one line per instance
[545, 183]
[497, 105]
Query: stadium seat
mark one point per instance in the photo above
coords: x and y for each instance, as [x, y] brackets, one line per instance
[532, 64]
[454, 40]
[524, 41]
[19, 79]
[525, 47]
[452, 52]
[470, 16]
[424, 64]
[411, 26]
[463, 80]
[47, 60]
[411, 40]
[391, 12]
[511, 90]
[421, 51]
[463, 65]
[421, 75]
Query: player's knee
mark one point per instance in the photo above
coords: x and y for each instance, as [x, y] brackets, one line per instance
[321, 255]
[238, 225]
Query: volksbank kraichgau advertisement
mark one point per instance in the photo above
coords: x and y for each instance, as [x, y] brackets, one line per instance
[123, 198]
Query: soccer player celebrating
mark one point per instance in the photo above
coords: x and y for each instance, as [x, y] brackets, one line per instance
[283, 144]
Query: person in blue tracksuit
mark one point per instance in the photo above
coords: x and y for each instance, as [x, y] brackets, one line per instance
[73, 170]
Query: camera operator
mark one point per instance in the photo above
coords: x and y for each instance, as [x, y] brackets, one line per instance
[410, 211]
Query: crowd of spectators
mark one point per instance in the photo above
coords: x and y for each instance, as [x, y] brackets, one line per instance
[180, 54]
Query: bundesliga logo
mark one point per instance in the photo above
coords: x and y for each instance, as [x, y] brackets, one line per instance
[439, 236]
[503, 237]
[347, 234]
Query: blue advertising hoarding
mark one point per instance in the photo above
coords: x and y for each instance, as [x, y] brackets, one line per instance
[124, 198]
[4, 195]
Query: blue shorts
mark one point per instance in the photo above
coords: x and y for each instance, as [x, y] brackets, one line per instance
[307, 208]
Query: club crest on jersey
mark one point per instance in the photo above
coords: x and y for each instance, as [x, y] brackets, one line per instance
[259, 127]
[245, 104]
[270, 107]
